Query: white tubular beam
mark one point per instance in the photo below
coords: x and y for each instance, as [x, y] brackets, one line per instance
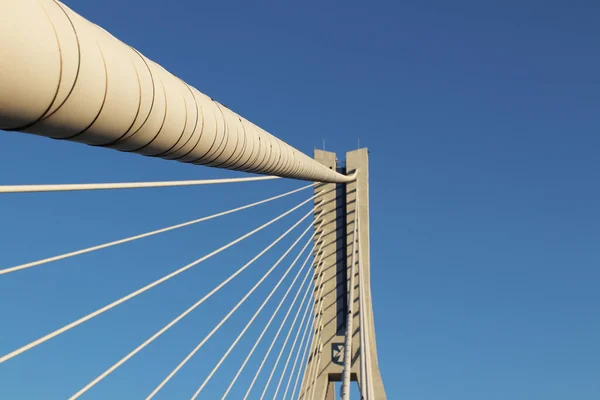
[66, 78]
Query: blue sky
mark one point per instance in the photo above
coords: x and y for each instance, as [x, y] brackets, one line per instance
[483, 126]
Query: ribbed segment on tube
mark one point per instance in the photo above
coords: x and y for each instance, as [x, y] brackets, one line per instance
[66, 78]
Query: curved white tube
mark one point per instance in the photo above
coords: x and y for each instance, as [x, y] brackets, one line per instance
[64, 77]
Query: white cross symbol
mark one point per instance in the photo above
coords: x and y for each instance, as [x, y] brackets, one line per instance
[338, 352]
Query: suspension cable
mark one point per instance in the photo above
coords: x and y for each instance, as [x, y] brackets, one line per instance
[264, 360]
[303, 359]
[311, 355]
[317, 319]
[145, 288]
[289, 355]
[298, 351]
[125, 185]
[253, 318]
[257, 342]
[318, 327]
[318, 344]
[185, 313]
[257, 373]
[144, 235]
[283, 346]
[199, 346]
[364, 387]
[368, 377]
[279, 357]
[316, 322]
[316, 369]
[345, 395]
[279, 305]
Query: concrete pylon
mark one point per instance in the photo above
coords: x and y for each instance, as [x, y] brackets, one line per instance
[338, 207]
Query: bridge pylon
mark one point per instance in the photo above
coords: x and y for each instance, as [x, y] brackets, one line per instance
[335, 211]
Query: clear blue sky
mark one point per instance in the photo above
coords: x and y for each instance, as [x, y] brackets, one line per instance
[483, 123]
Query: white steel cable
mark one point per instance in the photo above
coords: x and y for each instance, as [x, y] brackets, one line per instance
[257, 342]
[369, 374]
[300, 346]
[300, 307]
[345, 395]
[260, 339]
[185, 313]
[303, 359]
[216, 328]
[316, 371]
[297, 352]
[144, 235]
[318, 344]
[283, 346]
[364, 383]
[316, 320]
[364, 380]
[264, 360]
[255, 315]
[314, 365]
[311, 356]
[287, 361]
[313, 351]
[317, 329]
[275, 312]
[144, 289]
[123, 185]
